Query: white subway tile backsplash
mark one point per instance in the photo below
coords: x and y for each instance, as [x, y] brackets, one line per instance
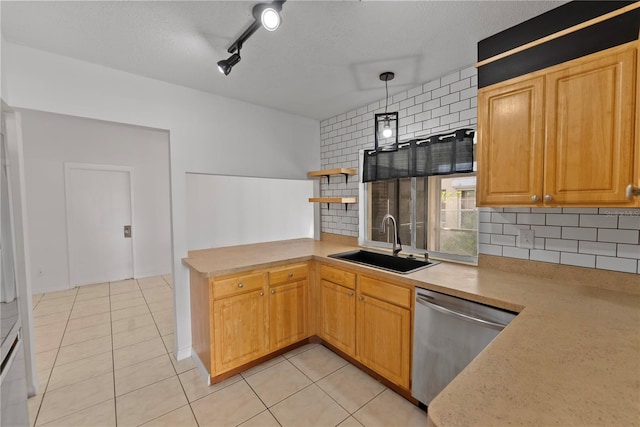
[484, 216]
[501, 239]
[544, 256]
[617, 264]
[513, 229]
[561, 245]
[562, 219]
[597, 248]
[580, 260]
[630, 222]
[578, 233]
[618, 236]
[501, 217]
[487, 227]
[538, 243]
[546, 231]
[490, 249]
[580, 210]
[484, 238]
[517, 210]
[599, 221]
[628, 251]
[513, 252]
[533, 219]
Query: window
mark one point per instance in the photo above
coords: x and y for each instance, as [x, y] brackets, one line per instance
[437, 214]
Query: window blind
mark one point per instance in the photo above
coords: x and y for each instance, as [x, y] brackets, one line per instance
[443, 154]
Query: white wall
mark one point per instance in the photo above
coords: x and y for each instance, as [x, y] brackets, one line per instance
[236, 210]
[208, 133]
[49, 141]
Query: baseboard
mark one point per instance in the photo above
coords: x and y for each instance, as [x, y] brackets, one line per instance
[184, 353]
[200, 366]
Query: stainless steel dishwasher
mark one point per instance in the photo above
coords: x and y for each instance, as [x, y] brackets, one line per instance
[448, 333]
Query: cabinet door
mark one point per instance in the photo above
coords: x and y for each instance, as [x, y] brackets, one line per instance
[288, 314]
[240, 329]
[511, 143]
[338, 316]
[384, 338]
[590, 109]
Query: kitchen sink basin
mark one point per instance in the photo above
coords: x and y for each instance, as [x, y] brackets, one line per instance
[397, 264]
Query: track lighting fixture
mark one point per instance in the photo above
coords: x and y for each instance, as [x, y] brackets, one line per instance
[268, 15]
[264, 14]
[386, 125]
[226, 65]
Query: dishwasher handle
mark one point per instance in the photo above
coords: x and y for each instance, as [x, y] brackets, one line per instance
[493, 325]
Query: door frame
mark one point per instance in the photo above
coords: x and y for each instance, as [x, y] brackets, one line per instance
[68, 167]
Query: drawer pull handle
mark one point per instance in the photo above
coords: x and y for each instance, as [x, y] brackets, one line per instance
[534, 198]
[361, 298]
[548, 198]
[261, 293]
[240, 285]
[350, 294]
[290, 275]
[273, 291]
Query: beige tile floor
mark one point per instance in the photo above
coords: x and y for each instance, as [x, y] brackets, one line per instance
[104, 358]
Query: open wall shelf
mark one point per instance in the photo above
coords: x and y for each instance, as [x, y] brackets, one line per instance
[328, 172]
[344, 200]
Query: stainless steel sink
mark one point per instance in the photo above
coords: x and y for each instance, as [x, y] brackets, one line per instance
[397, 264]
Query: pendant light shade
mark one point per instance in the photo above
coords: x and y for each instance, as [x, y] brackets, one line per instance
[386, 124]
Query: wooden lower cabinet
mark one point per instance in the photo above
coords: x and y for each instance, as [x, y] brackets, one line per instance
[338, 314]
[240, 332]
[383, 338]
[288, 313]
[239, 319]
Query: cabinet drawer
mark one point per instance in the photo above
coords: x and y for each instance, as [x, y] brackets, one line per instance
[288, 273]
[237, 285]
[338, 276]
[394, 294]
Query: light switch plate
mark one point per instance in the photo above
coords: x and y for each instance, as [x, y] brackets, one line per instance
[525, 239]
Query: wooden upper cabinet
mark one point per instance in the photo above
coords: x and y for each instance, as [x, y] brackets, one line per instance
[590, 129]
[511, 143]
[562, 136]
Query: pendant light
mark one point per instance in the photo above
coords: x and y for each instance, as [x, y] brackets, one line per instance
[386, 124]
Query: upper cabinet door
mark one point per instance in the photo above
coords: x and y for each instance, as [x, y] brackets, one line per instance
[511, 143]
[590, 129]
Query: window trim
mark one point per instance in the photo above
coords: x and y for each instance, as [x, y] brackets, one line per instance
[363, 220]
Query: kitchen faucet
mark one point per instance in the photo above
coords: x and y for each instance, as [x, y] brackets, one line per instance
[396, 238]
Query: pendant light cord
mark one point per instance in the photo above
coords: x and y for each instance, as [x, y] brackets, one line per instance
[386, 98]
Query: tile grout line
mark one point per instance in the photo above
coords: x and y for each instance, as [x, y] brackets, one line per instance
[113, 364]
[44, 392]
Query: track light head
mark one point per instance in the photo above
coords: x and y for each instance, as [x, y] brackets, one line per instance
[226, 65]
[268, 15]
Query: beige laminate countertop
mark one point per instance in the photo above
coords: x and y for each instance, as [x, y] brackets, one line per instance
[571, 357]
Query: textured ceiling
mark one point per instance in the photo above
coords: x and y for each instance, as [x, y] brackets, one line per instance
[324, 60]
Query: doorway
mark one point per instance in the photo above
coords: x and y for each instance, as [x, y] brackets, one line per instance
[99, 210]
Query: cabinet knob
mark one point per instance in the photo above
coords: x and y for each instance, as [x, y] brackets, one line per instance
[273, 291]
[632, 191]
[350, 294]
[290, 275]
[261, 293]
[241, 285]
[548, 198]
[361, 298]
[534, 198]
